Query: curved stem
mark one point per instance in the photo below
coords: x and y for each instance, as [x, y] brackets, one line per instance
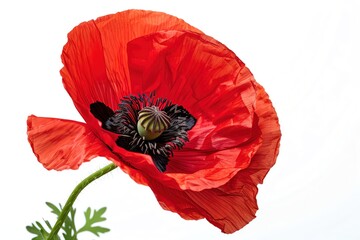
[73, 196]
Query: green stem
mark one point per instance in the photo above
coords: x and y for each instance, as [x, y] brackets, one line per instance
[73, 196]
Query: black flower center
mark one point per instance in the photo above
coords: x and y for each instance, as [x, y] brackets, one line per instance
[148, 125]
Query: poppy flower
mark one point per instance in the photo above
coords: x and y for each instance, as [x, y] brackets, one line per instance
[172, 107]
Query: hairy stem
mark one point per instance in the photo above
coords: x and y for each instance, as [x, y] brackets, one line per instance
[73, 196]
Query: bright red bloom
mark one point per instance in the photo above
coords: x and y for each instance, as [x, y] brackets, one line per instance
[230, 149]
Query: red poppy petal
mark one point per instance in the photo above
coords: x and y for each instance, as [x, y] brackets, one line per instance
[227, 211]
[84, 71]
[217, 168]
[201, 74]
[232, 205]
[95, 60]
[197, 171]
[266, 155]
[118, 29]
[62, 144]
[205, 77]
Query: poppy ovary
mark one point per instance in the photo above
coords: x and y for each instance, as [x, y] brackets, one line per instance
[152, 122]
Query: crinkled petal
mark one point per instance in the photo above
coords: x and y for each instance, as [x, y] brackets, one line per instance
[232, 205]
[84, 72]
[222, 167]
[228, 211]
[118, 29]
[201, 74]
[196, 71]
[62, 144]
[266, 155]
[95, 58]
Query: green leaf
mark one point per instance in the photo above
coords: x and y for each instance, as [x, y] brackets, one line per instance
[69, 222]
[54, 209]
[48, 224]
[42, 232]
[38, 229]
[91, 219]
[34, 230]
[69, 225]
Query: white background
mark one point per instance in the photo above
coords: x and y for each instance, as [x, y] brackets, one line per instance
[305, 54]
